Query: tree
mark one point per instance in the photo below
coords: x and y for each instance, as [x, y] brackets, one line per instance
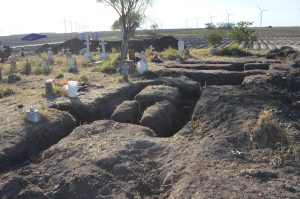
[116, 25]
[131, 15]
[154, 26]
[241, 33]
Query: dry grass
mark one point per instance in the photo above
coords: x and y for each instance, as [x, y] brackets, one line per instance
[267, 131]
[5, 91]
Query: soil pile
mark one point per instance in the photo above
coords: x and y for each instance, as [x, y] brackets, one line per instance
[76, 45]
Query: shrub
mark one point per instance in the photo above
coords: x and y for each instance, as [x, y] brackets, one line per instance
[241, 33]
[267, 132]
[5, 91]
[214, 39]
[172, 54]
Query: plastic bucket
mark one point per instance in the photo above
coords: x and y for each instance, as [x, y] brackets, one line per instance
[72, 88]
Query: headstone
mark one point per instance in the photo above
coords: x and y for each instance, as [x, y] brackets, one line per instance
[181, 46]
[125, 72]
[142, 65]
[46, 67]
[27, 70]
[12, 71]
[214, 52]
[1, 72]
[72, 65]
[50, 56]
[103, 54]
[68, 53]
[151, 48]
[22, 52]
[48, 87]
[33, 115]
[87, 54]
[62, 51]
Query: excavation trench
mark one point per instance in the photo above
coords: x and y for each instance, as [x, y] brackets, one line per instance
[103, 106]
[153, 112]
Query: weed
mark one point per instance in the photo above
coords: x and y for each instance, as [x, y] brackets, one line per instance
[234, 50]
[5, 91]
[108, 65]
[172, 54]
[83, 78]
[59, 76]
[267, 132]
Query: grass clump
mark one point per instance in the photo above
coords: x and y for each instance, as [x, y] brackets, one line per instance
[267, 133]
[5, 91]
[109, 65]
[60, 76]
[235, 51]
[200, 52]
[83, 78]
[172, 54]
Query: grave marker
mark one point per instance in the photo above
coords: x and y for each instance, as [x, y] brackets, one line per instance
[46, 67]
[142, 65]
[50, 56]
[33, 115]
[181, 46]
[11, 75]
[103, 54]
[87, 53]
[72, 65]
[1, 72]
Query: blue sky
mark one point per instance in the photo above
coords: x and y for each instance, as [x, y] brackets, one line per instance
[26, 16]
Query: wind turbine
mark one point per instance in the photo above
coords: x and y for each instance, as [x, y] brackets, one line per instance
[186, 23]
[261, 14]
[211, 19]
[228, 16]
[197, 18]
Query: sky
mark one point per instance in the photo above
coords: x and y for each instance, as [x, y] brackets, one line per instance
[39, 16]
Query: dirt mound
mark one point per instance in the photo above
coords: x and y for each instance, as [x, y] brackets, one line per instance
[287, 53]
[283, 52]
[23, 140]
[76, 45]
[162, 117]
[153, 94]
[127, 112]
[92, 162]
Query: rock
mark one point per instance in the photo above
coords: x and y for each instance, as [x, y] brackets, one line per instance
[152, 94]
[161, 117]
[127, 112]
[258, 66]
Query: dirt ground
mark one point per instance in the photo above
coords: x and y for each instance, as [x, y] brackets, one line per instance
[237, 138]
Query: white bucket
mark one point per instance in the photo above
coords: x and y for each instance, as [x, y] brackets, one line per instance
[72, 88]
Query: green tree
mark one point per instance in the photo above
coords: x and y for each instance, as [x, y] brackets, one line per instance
[116, 25]
[131, 15]
[241, 33]
[214, 39]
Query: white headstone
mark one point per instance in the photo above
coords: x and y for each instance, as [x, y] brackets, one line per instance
[33, 115]
[87, 54]
[103, 54]
[72, 64]
[181, 45]
[142, 65]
